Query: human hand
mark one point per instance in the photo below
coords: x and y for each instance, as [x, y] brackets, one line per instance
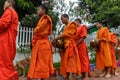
[99, 40]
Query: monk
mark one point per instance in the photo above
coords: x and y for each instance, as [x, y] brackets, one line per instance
[82, 49]
[41, 65]
[103, 55]
[70, 64]
[112, 50]
[8, 33]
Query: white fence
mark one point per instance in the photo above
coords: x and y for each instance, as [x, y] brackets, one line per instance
[24, 36]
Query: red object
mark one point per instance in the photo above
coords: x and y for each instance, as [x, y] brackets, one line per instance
[8, 33]
[82, 49]
[28, 78]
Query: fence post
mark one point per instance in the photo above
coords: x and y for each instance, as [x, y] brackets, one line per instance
[24, 36]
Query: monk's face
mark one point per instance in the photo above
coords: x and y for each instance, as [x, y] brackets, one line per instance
[7, 4]
[98, 25]
[64, 20]
[40, 11]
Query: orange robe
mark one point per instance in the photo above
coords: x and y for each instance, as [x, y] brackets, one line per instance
[82, 49]
[41, 64]
[103, 55]
[112, 50]
[8, 33]
[70, 59]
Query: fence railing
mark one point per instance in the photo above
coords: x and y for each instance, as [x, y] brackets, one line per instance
[24, 36]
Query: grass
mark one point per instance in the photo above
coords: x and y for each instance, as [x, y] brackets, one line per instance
[56, 65]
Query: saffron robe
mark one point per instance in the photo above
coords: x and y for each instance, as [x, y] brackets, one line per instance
[112, 50]
[41, 64]
[103, 55]
[8, 33]
[82, 49]
[70, 59]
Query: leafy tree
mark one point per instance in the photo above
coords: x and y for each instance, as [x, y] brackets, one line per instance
[53, 14]
[62, 7]
[106, 10]
[25, 7]
[30, 20]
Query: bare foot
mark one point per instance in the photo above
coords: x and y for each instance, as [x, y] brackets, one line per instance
[116, 74]
[86, 78]
[107, 75]
[23, 76]
[101, 75]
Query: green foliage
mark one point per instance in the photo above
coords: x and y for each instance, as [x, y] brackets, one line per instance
[55, 18]
[30, 20]
[25, 7]
[26, 71]
[92, 55]
[106, 10]
[1, 6]
[56, 65]
[92, 30]
[24, 50]
[54, 15]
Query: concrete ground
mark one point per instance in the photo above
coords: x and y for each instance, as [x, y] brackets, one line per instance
[93, 74]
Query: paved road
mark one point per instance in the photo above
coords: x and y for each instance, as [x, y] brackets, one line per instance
[113, 77]
[97, 78]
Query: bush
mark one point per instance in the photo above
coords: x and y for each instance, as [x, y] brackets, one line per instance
[56, 65]
[30, 20]
[24, 50]
[92, 55]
